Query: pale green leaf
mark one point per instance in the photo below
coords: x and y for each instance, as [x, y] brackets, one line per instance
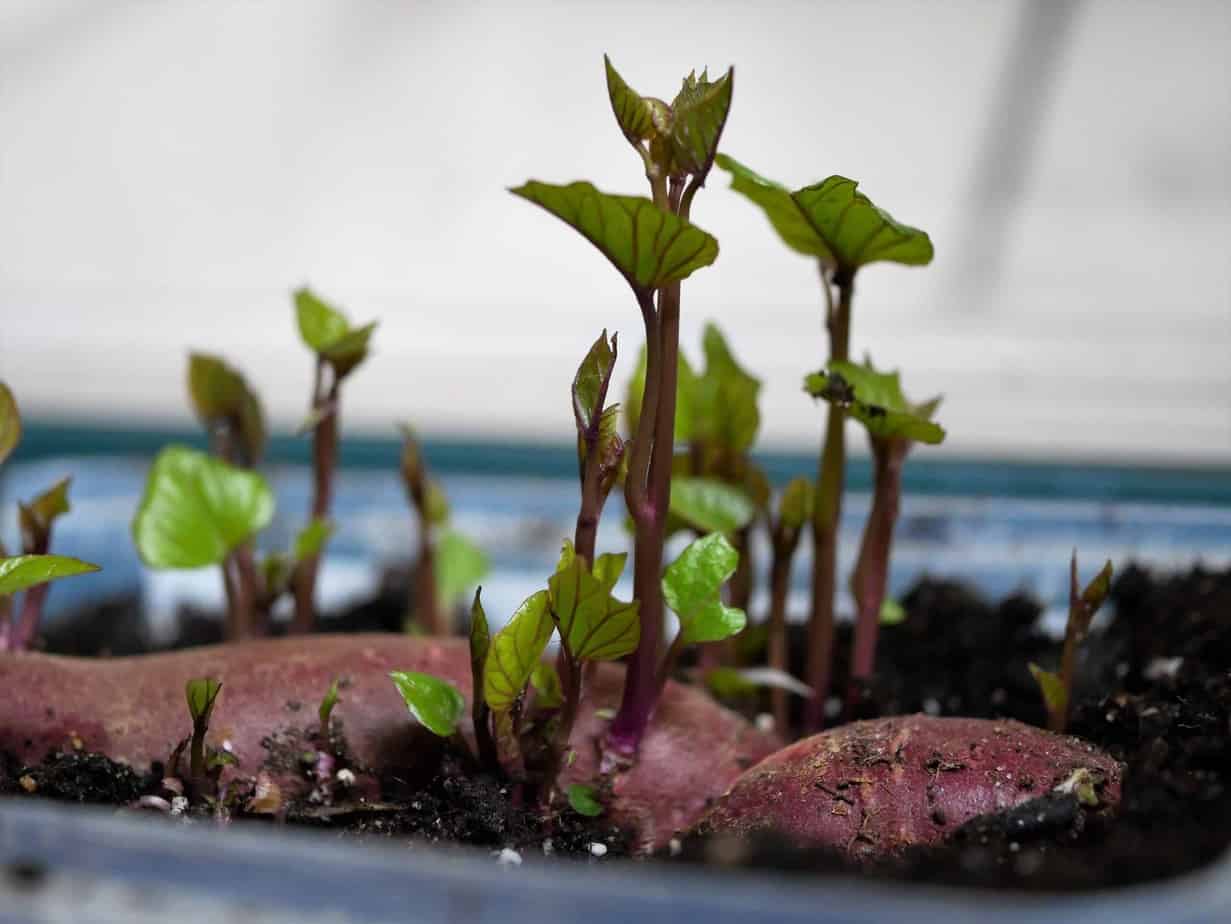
[10, 423]
[460, 565]
[201, 693]
[21, 572]
[515, 652]
[692, 586]
[685, 398]
[1055, 696]
[584, 800]
[649, 246]
[435, 703]
[594, 626]
[734, 682]
[795, 505]
[197, 510]
[608, 568]
[547, 689]
[892, 613]
[726, 409]
[320, 325]
[311, 540]
[709, 505]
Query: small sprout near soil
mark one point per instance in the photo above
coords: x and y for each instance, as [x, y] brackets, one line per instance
[435, 703]
[325, 712]
[584, 800]
[201, 694]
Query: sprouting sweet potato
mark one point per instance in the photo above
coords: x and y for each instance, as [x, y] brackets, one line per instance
[133, 710]
[875, 787]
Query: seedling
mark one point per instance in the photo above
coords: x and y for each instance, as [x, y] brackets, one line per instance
[325, 711]
[894, 425]
[600, 451]
[654, 247]
[1057, 690]
[33, 570]
[339, 348]
[838, 226]
[436, 704]
[201, 694]
[448, 564]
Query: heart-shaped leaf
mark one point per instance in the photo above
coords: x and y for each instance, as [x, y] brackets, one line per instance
[875, 399]
[709, 505]
[831, 220]
[692, 586]
[310, 541]
[436, 703]
[594, 626]
[460, 565]
[36, 517]
[726, 397]
[699, 113]
[649, 246]
[10, 423]
[326, 331]
[515, 652]
[221, 396]
[197, 510]
[21, 572]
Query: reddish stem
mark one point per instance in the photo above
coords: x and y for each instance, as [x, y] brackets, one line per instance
[785, 543]
[324, 461]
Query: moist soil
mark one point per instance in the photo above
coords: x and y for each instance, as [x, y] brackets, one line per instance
[1153, 689]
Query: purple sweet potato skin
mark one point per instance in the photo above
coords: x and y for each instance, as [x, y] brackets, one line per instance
[133, 710]
[875, 787]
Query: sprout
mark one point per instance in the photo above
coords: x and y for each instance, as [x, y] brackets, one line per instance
[201, 694]
[325, 712]
[435, 703]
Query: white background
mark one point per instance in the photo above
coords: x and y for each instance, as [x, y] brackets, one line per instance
[170, 171]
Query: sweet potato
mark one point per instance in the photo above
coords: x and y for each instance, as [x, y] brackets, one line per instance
[132, 709]
[875, 787]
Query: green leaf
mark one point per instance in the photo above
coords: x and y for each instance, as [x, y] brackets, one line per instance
[726, 397]
[436, 703]
[608, 568]
[831, 220]
[10, 423]
[699, 113]
[692, 586]
[795, 505]
[709, 505]
[480, 642]
[21, 572]
[594, 626]
[649, 246]
[348, 351]
[875, 399]
[515, 652]
[327, 704]
[1096, 591]
[320, 326]
[460, 565]
[634, 113]
[549, 694]
[685, 398]
[734, 683]
[1055, 696]
[892, 613]
[311, 540]
[590, 385]
[197, 510]
[201, 694]
[37, 516]
[275, 571]
[221, 396]
[584, 800]
[435, 503]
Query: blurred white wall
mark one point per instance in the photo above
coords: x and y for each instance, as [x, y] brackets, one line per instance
[169, 171]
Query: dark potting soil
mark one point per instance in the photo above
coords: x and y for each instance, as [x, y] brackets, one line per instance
[1153, 689]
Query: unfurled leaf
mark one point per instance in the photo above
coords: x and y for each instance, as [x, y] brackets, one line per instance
[875, 399]
[201, 693]
[831, 220]
[221, 396]
[709, 505]
[10, 423]
[548, 693]
[21, 572]
[692, 588]
[460, 565]
[608, 568]
[732, 682]
[350, 350]
[584, 800]
[795, 505]
[594, 626]
[699, 113]
[649, 246]
[590, 385]
[726, 409]
[1055, 696]
[197, 510]
[436, 703]
[326, 708]
[327, 332]
[515, 652]
[634, 113]
[36, 517]
[685, 398]
[311, 540]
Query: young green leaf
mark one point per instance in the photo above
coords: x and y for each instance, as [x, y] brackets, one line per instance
[594, 626]
[221, 396]
[310, 541]
[699, 112]
[460, 565]
[692, 586]
[21, 572]
[892, 613]
[435, 503]
[37, 516]
[649, 246]
[349, 350]
[480, 642]
[197, 510]
[795, 505]
[435, 703]
[634, 112]
[326, 708]
[590, 385]
[1055, 696]
[735, 682]
[726, 397]
[1096, 591]
[608, 568]
[831, 220]
[584, 800]
[549, 694]
[515, 652]
[10, 423]
[327, 332]
[875, 399]
[709, 505]
[201, 694]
